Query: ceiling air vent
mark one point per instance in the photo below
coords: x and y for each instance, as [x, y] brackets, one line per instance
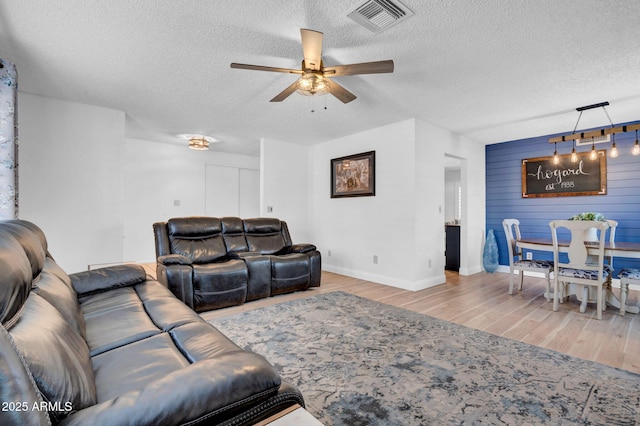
[378, 15]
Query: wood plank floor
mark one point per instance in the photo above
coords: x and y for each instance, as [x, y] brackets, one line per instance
[480, 301]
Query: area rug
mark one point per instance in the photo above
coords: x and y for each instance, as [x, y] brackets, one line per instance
[360, 362]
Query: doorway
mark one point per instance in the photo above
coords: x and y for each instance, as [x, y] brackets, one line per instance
[452, 212]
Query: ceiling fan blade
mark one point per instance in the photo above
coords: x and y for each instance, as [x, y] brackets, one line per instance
[377, 67]
[311, 48]
[286, 92]
[341, 93]
[263, 68]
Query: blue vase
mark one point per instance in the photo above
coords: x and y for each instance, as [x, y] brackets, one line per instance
[490, 255]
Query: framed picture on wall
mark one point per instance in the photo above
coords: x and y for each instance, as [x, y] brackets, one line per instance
[541, 177]
[354, 175]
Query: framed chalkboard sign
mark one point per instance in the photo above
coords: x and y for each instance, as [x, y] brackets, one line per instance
[542, 178]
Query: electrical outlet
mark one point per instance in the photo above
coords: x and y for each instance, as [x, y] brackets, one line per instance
[329, 253]
[375, 258]
[529, 255]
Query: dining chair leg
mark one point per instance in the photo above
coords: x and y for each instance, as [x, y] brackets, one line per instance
[548, 293]
[555, 294]
[511, 280]
[599, 304]
[521, 280]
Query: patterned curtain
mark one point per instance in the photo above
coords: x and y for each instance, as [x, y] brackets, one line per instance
[8, 141]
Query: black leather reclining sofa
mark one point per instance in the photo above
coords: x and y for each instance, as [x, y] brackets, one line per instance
[212, 263]
[112, 347]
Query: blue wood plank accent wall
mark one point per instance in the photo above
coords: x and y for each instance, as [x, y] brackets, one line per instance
[504, 193]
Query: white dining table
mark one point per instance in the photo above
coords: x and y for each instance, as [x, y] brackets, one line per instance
[613, 249]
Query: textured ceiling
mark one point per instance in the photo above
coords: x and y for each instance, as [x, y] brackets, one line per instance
[489, 70]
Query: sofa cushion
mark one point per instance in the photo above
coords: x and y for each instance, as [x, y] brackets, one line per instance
[289, 272]
[264, 235]
[217, 285]
[136, 365]
[31, 244]
[17, 387]
[115, 318]
[233, 233]
[55, 287]
[15, 279]
[199, 239]
[200, 340]
[56, 355]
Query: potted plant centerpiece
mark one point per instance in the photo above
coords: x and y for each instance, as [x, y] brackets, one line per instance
[591, 234]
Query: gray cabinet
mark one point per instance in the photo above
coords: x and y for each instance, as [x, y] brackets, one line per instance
[452, 250]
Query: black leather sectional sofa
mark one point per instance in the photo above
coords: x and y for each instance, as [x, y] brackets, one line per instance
[212, 263]
[112, 347]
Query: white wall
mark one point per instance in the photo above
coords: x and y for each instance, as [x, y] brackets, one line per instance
[70, 167]
[164, 181]
[403, 225]
[284, 181]
[354, 229]
[434, 144]
[96, 194]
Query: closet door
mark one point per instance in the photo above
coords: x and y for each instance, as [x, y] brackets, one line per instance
[232, 191]
[221, 191]
[249, 197]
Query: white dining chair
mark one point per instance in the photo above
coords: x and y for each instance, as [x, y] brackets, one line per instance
[582, 269]
[518, 263]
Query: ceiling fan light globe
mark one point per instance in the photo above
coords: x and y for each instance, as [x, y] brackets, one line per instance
[311, 84]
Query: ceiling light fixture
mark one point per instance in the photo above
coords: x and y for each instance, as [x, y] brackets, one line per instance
[613, 130]
[198, 142]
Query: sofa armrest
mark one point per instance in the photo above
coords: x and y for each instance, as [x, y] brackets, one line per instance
[174, 259]
[302, 248]
[210, 389]
[111, 277]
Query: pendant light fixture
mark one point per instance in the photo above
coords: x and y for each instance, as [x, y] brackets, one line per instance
[574, 154]
[614, 150]
[613, 130]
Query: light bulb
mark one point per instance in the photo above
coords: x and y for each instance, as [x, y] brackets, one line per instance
[636, 148]
[556, 158]
[594, 153]
[614, 151]
[574, 156]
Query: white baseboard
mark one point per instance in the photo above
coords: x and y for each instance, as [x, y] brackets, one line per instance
[386, 280]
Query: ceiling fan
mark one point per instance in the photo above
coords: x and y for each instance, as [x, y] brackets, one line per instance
[314, 76]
